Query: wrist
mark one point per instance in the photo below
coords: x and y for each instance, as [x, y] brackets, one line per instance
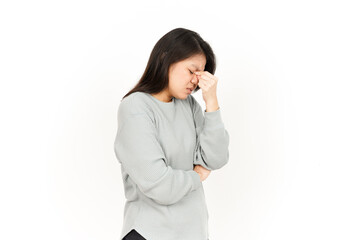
[212, 106]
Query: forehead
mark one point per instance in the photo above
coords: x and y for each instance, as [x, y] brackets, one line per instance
[196, 66]
[197, 61]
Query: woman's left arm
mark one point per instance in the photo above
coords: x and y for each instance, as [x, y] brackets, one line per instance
[212, 139]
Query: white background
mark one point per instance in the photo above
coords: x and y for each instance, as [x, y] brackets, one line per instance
[288, 88]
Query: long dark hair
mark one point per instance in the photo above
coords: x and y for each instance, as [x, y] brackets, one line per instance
[174, 46]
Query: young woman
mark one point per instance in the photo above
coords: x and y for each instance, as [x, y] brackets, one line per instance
[167, 145]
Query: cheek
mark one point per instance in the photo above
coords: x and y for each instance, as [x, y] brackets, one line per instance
[176, 84]
[180, 81]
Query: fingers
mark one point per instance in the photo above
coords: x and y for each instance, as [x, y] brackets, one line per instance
[199, 168]
[206, 80]
[206, 75]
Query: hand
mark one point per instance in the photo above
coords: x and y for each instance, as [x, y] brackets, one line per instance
[207, 82]
[203, 172]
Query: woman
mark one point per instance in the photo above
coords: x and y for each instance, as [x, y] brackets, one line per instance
[165, 143]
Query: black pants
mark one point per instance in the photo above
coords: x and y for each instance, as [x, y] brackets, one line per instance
[133, 235]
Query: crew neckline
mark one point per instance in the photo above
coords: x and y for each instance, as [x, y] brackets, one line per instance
[161, 102]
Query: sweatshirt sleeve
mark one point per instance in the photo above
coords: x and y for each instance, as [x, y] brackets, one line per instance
[212, 139]
[138, 150]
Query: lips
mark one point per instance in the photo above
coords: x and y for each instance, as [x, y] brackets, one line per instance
[189, 90]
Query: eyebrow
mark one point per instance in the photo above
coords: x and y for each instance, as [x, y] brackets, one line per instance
[197, 68]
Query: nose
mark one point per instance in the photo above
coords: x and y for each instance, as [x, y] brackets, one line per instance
[194, 80]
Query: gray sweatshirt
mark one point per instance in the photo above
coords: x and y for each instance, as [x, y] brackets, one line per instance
[157, 144]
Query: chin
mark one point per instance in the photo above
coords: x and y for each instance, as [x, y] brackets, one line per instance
[182, 95]
[186, 96]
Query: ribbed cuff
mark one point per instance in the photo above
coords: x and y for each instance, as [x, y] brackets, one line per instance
[213, 120]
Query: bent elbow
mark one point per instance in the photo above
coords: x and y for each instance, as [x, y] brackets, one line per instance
[165, 201]
[221, 162]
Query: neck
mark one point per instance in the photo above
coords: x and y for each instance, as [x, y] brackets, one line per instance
[163, 96]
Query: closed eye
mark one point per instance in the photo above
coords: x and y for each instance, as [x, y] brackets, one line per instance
[191, 72]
